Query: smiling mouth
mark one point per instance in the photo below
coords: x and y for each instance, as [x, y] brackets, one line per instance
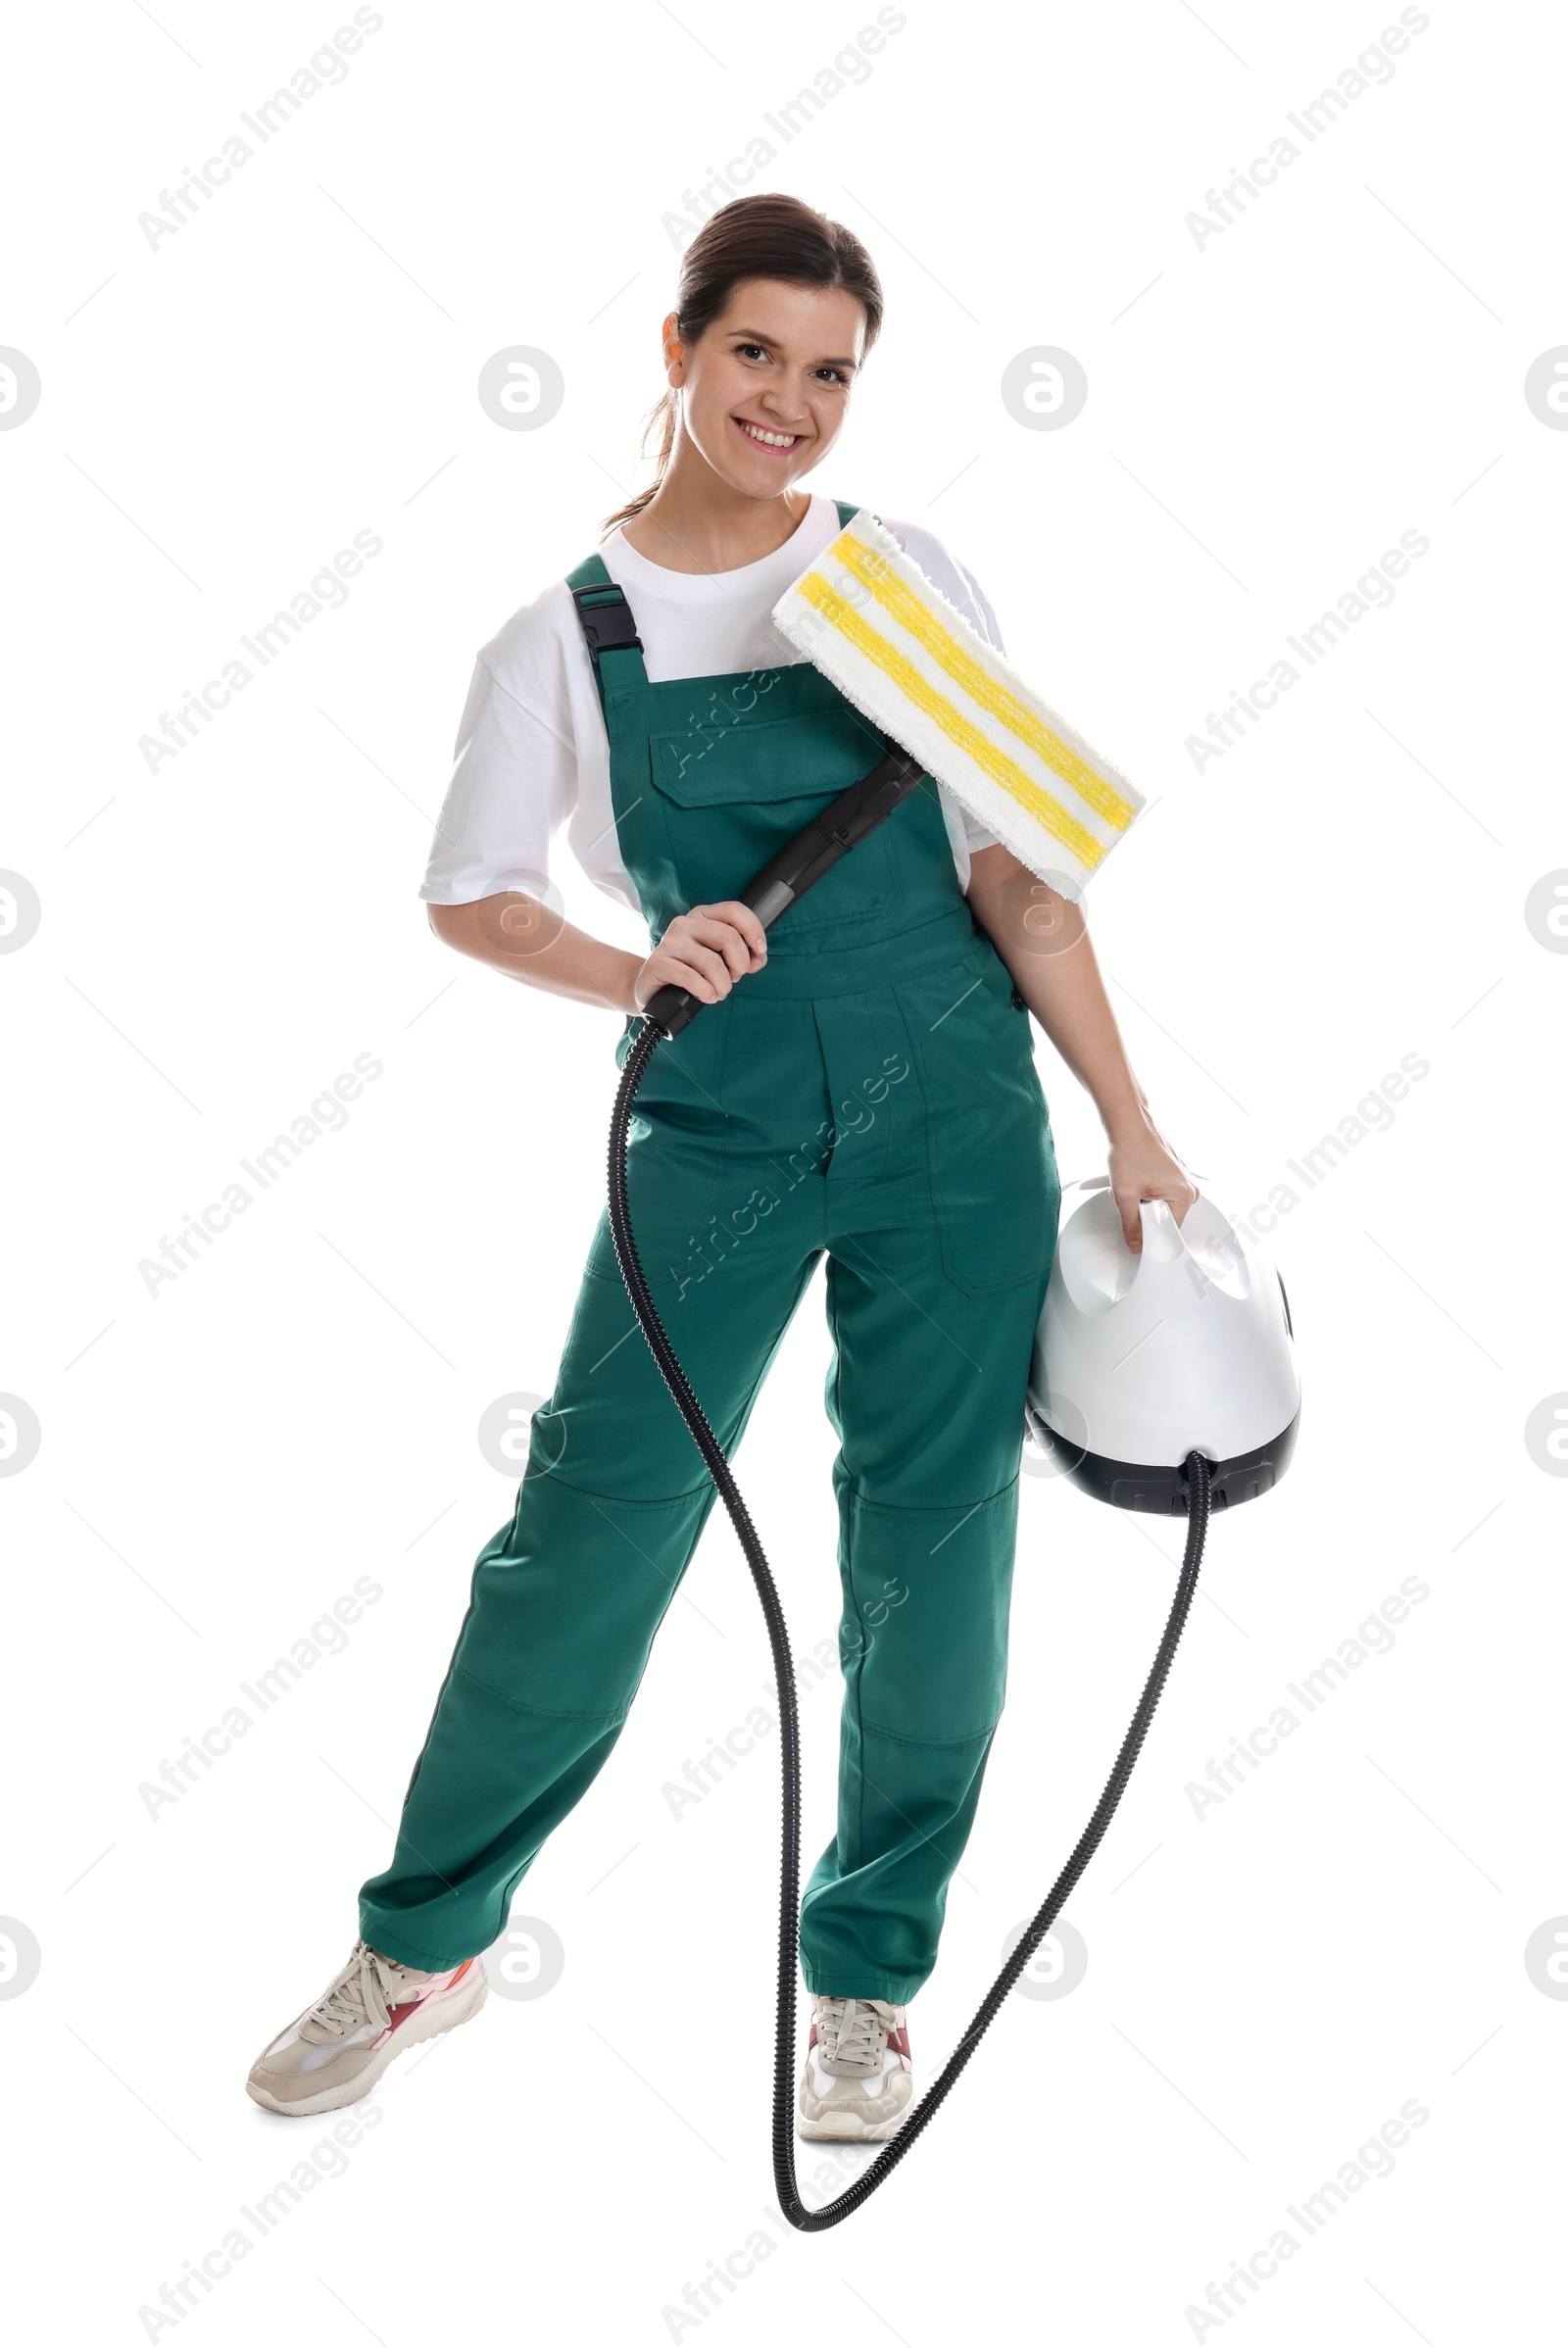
[760, 437]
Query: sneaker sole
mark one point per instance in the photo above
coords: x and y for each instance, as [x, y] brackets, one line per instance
[430, 2022]
[848, 2127]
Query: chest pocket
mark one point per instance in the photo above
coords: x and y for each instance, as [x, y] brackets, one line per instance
[732, 794]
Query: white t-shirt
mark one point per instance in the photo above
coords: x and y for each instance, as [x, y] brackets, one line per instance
[532, 753]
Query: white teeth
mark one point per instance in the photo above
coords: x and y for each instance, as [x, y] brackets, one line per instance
[770, 440]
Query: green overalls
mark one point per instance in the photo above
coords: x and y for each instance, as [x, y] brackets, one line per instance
[869, 1095]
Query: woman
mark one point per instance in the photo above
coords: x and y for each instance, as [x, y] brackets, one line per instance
[864, 1088]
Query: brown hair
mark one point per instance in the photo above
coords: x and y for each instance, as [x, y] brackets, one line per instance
[756, 237]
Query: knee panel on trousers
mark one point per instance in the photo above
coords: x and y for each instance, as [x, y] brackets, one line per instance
[566, 1598]
[924, 1632]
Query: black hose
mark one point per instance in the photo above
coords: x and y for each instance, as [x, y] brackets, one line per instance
[817, 2221]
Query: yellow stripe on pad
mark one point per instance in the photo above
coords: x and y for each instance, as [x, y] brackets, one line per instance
[988, 692]
[1045, 811]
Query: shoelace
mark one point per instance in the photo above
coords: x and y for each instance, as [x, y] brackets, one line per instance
[852, 2033]
[365, 1992]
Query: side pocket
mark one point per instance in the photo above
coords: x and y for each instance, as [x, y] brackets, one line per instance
[995, 1190]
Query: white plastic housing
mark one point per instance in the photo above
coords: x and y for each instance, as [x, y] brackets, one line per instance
[1144, 1359]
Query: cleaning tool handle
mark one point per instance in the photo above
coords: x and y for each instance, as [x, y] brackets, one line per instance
[852, 816]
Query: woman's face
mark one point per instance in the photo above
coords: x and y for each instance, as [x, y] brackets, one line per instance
[766, 390]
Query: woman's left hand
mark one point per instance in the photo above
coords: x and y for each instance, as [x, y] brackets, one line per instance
[1143, 1165]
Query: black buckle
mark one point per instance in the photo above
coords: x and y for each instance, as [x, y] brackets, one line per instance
[607, 626]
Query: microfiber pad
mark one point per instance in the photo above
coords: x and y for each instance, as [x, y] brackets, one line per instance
[871, 619]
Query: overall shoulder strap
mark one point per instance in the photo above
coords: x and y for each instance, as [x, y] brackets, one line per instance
[609, 628]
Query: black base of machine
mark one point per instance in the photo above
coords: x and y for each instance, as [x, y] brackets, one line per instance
[1163, 1490]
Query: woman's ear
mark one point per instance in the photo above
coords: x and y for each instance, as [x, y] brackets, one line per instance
[674, 352]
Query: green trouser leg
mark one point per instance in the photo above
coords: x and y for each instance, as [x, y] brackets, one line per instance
[923, 1397]
[918, 1718]
[566, 1602]
[567, 1597]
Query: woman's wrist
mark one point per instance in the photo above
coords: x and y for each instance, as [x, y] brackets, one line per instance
[1126, 1117]
[624, 997]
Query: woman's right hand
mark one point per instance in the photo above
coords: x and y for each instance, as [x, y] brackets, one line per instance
[704, 952]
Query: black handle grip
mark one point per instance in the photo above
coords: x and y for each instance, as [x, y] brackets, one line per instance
[671, 1008]
[799, 865]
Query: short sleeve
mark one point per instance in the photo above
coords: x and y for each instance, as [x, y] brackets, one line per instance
[512, 786]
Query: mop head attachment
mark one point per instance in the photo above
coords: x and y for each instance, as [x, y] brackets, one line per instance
[871, 620]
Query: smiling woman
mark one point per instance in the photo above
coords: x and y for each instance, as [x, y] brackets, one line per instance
[776, 379]
[860, 1088]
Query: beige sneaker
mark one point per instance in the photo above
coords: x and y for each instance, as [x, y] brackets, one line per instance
[859, 2080]
[336, 2050]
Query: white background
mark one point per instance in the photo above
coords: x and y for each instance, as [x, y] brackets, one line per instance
[1267, 1984]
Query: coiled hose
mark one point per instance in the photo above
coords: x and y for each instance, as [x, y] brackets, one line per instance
[810, 2221]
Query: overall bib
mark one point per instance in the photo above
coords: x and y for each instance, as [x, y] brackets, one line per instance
[869, 1096]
